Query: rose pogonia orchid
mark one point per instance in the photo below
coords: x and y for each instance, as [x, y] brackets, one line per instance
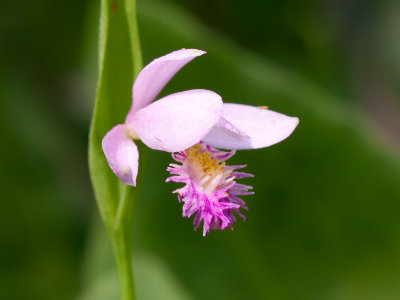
[189, 124]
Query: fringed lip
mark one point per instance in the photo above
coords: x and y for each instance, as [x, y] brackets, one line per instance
[210, 191]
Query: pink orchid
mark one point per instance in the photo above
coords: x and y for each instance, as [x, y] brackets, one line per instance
[191, 123]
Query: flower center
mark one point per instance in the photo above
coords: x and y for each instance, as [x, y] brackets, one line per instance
[205, 170]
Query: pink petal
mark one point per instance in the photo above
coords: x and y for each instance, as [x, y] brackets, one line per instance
[226, 132]
[178, 121]
[121, 154]
[156, 75]
[258, 127]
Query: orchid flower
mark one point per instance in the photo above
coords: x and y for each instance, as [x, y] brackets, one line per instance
[189, 125]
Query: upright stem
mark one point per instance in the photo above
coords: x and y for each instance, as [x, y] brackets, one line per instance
[122, 246]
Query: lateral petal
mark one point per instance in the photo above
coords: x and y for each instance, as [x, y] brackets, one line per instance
[121, 154]
[258, 128]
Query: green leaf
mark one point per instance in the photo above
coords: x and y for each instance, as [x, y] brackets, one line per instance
[119, 62]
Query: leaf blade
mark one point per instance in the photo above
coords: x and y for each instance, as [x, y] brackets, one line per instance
[117, 67]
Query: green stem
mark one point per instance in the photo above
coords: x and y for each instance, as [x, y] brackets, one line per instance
[125, 208]
[122, 246]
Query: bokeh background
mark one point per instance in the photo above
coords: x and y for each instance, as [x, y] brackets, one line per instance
[324, 222]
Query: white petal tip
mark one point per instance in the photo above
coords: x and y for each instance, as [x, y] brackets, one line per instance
[183, 54]
[197, 52]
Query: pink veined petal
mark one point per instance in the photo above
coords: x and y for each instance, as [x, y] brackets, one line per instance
[262, 126]
[121, 154]
[156, 75]
[178, 121]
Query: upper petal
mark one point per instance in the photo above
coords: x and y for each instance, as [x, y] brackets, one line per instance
[121, 154]
[258, 128]
[178, 121]
[156, 75]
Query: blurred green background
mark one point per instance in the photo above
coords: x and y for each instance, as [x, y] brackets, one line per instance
[324, 222]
